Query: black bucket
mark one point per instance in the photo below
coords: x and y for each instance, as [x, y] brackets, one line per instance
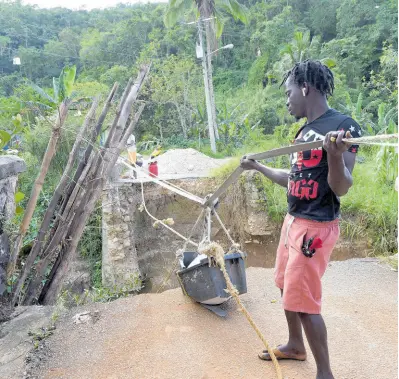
[203, 282]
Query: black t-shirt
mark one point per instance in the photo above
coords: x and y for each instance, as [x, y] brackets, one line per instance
[309, 194]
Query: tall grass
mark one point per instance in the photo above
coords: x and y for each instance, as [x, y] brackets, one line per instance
[371, 205]
[369, 210]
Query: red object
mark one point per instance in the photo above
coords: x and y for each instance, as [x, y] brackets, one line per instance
[316, 244]
[153, 169]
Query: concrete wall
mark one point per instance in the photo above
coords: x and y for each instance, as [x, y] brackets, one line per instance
[119, 254]
[10, 167]
[132, 245]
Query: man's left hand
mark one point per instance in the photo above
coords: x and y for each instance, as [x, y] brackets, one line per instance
[337, 147]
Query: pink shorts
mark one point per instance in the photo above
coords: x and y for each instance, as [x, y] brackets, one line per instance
[297, 275]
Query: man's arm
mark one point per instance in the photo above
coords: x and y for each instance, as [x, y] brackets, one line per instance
[275, 175]
[340, 163]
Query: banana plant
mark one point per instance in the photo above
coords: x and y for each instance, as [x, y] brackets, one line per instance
[298, 48]
[301, 47]
[386, 120]
[62, 87]
[387, 159]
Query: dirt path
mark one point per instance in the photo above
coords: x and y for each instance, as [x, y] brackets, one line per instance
[167, 336]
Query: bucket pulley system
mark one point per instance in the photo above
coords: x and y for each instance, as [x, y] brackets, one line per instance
[213, 250]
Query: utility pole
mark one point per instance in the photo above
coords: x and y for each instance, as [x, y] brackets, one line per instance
[206, 58]
[211, 126]
[210, 80]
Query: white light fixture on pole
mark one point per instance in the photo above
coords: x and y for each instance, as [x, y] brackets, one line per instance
[229, 46]
[200, 52]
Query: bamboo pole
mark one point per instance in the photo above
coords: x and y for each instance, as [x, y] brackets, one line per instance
[91, 142]
[78, 207]
[89, 120]
[38, 185]
[80, 219]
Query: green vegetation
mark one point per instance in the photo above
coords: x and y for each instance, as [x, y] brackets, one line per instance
[90, 246]
[370, 207]
[356, 39]
[369, 210]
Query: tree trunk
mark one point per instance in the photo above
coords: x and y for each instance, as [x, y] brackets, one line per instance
[182, 121]
[37, 187]
[160, 131]
[185, 107]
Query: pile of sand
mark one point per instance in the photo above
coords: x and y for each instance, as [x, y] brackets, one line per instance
[188, 162]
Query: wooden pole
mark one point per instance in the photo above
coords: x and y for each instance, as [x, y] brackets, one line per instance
[78, 207]
[37, 186]
[54, 200]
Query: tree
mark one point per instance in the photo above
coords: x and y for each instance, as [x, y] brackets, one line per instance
[117, 73]
[301, 47]
[211, 14]
[321, 18]
[298, 48]
[383, 84]
[280, 26]
[176, 82]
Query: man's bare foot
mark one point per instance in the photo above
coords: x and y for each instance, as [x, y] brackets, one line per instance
[285, 352]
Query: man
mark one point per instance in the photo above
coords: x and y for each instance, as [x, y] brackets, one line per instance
[315, 182]
[132, 152]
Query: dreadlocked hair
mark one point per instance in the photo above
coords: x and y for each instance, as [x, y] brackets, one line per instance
[315, 73]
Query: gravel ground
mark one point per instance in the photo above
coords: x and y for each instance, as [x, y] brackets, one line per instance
[187, 162]
[167, 336]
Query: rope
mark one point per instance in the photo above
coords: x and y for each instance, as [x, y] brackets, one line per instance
[161, 222]
[161, 287]
[373, 140]
[209, 225]
[233, 243]
[163, 183]
[212, 249]
[216, 251]
[194, 228]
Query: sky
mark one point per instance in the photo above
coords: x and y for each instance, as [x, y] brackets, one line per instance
[85, 4]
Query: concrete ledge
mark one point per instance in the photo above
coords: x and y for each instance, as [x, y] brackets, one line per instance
[11, 165]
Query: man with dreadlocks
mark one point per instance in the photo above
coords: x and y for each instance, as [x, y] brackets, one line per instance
[314, 185]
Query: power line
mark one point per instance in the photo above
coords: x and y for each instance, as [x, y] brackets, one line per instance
[76, 46]
[69, 56]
